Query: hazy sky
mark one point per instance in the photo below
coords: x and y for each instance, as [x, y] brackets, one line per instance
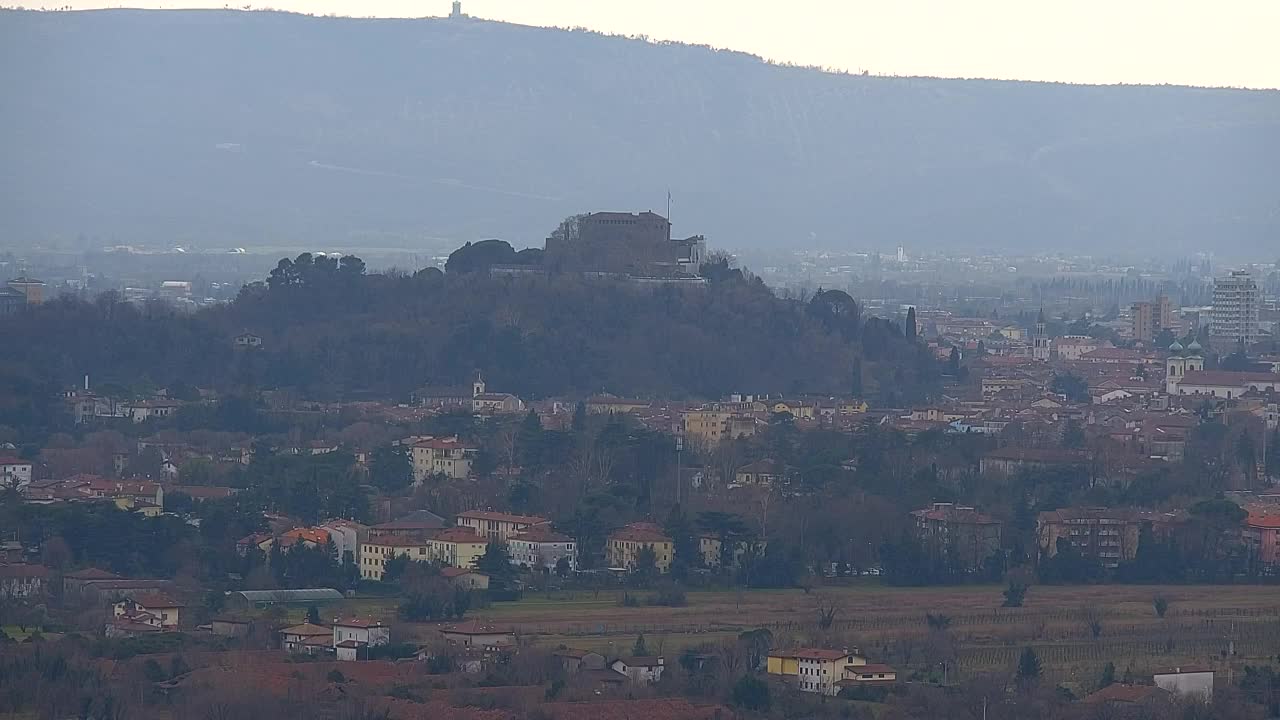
[1194, 42]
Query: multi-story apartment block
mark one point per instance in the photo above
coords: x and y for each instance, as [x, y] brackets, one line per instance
[1235, 310]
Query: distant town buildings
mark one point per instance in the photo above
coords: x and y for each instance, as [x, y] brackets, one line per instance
[1236, 302]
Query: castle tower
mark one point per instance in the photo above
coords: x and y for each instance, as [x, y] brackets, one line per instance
[1040, 341]
[456, 13]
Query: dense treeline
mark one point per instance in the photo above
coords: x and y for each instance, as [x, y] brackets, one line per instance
[332, 332]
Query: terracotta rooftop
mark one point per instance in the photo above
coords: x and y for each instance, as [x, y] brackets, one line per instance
[307, 629]
[1127, 694]
[542, 535]
[640, 532]
[155, 600]
[502, 517]
[1227, 378]
[460, 535]
[811, 654]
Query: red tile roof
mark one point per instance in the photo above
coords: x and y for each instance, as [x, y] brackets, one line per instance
[155, 600]
[811, 654]
[460, 535]
[1128, 694]
[22, 570]
[640, 532]
[542, 535]
[502, 517]
[307, 629]
[1227, 378]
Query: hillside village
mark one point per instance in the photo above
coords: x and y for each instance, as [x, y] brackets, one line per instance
[450, 526]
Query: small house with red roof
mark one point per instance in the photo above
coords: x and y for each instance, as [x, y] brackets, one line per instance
[465, 578]
[149, 608]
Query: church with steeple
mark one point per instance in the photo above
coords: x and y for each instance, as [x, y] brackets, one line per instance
[1181, 360]
[1040, 341]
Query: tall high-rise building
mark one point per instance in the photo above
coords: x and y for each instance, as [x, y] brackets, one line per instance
[1150, 318]
[1235, 309]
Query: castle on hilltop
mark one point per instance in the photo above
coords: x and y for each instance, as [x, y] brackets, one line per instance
[635, 244]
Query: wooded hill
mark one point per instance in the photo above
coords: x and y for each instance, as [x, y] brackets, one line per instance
[227, 129]
[331, 331]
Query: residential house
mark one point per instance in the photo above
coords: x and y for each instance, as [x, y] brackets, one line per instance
[710, 548]
[259, 542]
[1262, 536]
[640, 670]
[627, 543]
[232, 627]
[813, 670]
[465, 578]
[449, 457]
[458, 547]
[958, 535]
[306, 537]
[541, 548]
[150, 608]
[15, 473]
[572, 661]
[1108, 534]
[497, 525]
[1187, 681]
[867, 674]
[707, 428]
[352, 637]
[143, 410]
[20, 581]
[474, 633]
[765, 473]
[347, 535]
[377, 550]
[415, 527]
[1123, 699]
[307, 639]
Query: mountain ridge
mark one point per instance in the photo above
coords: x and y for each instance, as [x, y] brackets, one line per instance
[218, 127]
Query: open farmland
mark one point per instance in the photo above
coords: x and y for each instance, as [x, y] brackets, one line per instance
[889, 624]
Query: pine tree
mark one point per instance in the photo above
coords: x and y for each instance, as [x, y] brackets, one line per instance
[313, 614]
[1108, 675]
[640, 649]
[1028, 666]
[856, 386]
[580, 417]
[910, 330]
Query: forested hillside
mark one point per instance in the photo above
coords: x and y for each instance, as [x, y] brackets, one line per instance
[334, 332]
[227, 128]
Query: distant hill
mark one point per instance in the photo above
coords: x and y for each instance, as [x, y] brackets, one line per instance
[224, 128]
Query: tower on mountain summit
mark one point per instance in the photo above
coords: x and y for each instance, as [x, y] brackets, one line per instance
[456, 13]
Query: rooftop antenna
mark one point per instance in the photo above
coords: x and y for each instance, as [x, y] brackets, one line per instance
[668, 213]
